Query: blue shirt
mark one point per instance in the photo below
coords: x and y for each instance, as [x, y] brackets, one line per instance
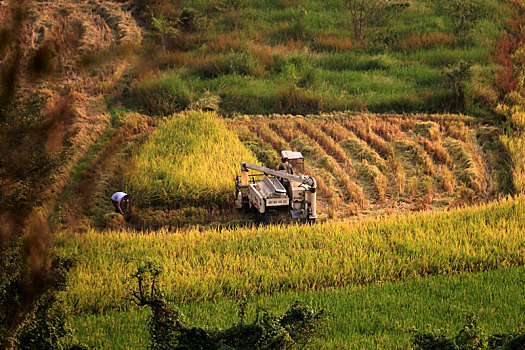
[117, 196]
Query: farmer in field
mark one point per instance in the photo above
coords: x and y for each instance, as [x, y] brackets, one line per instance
[120, 202]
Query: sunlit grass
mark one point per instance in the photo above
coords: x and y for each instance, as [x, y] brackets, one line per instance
[191, 159]
[212, 264]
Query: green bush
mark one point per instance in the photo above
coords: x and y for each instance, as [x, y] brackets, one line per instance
[458, 77]
[48, 329]
[47, 326]
[234, 62]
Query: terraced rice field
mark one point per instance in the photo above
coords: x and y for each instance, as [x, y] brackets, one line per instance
[381, 163]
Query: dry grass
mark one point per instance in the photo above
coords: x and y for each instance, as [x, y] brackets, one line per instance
[413, 186]
[515, 145]
[447, 178]
[127, 32]
[428, 130]
[417, 154]
[425, 41]
[465, 167]
[336, 131]
[373, 174]
[285, 128]
[436, 150]
[362, 151]
[227, 42]
[389, 131]
[327, 143]
[399, 175]
[363, 130]
[352, 190]
[332, 43]
[457, 130]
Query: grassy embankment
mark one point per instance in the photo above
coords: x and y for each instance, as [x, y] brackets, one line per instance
[213, 264]
[300, 57]
[377, 316]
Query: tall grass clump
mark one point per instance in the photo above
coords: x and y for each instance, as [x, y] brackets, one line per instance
[190, 160]
[161, 96]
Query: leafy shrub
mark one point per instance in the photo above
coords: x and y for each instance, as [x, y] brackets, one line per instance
[294, 328]
[241, 63]
[366, 17]
[458, 76]
[470, 337]
[463, 14]
[296, 71]
[188, 20]
[47, 327]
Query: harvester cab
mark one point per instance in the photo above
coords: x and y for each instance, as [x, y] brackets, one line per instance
[295, 159]
[271, 190]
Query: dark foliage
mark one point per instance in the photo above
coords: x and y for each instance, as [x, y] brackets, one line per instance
[30, 144]
[47, 327]
[294, 329]
[470, 337]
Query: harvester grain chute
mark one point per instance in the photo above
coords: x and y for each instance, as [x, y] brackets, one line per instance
[273, 190]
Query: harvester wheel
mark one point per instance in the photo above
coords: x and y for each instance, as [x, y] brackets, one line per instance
[262, 218]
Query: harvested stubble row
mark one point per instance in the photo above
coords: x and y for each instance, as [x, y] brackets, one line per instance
[365, 133]
[379, 156]
[329, 144]
[352, 190]
[213, 264]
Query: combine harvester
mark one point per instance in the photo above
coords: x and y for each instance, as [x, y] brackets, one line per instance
[275, 190]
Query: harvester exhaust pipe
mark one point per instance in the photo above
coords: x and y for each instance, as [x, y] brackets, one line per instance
[311, 197]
